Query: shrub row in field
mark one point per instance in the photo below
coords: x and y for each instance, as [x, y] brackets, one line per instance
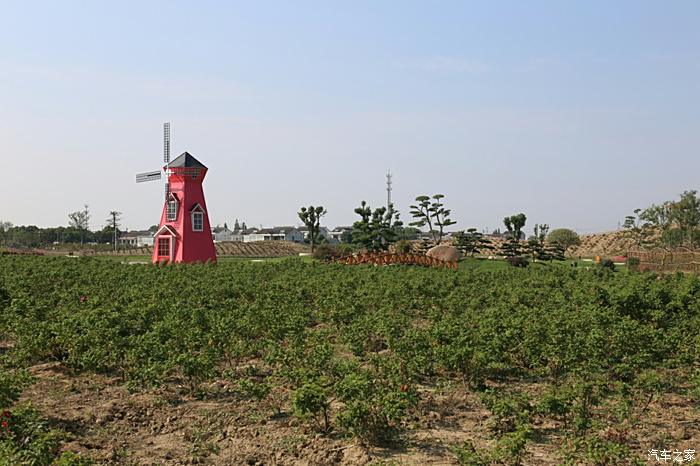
[352, 344]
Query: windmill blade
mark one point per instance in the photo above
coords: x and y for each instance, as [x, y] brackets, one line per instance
[166, 158]
[148, 176]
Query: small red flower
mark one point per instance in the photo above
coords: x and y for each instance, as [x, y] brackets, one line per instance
[4, 424]
[404, 388]
[83, 298]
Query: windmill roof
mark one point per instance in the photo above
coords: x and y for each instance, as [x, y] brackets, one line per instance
[186, 160]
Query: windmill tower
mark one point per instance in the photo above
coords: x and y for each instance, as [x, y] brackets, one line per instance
[184, 232]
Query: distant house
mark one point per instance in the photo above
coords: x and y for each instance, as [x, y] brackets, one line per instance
[275, 234]
[337, 233]
[222, 234]
[136, 239]
[323, 232]
[241, 234]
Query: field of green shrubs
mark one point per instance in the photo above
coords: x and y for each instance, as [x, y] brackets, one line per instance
[571, 358]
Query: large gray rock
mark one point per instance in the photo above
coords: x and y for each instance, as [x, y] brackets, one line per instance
[444, 252]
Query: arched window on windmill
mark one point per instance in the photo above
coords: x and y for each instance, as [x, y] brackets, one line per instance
[173, 206]
[197, 214]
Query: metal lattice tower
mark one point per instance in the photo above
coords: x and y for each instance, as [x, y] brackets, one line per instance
[166, 158]
[388, 190]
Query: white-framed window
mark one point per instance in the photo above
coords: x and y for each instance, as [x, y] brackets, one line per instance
[164, 247]
[197, 221]
[171, 215]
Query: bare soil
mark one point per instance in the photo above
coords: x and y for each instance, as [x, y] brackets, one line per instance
[169, 427]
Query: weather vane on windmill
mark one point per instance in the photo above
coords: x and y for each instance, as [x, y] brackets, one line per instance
[184, 232]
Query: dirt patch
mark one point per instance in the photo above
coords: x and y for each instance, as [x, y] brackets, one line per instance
[166, 426]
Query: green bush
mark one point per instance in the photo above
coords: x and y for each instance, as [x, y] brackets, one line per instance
[633, 263]
[327, 252]
[402, 246]
[28, 439]
[606, 264]
[311, 401]
[517, 261]
[468, 455]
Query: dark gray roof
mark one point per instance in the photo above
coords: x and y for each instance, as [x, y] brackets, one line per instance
[277, 230]
[186, 160]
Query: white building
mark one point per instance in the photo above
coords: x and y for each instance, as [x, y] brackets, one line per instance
[136, 239]
[275, 234]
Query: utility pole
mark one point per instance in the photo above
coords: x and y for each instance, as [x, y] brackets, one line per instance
[388, 190]
[114, 223]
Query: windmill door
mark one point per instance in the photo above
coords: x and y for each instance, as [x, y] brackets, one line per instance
[165, 248]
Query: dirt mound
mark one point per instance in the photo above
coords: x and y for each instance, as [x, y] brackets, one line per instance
[603, 244]
[260, 249]
[233, 249]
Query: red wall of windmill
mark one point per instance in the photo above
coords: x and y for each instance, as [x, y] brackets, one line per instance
[187, 245]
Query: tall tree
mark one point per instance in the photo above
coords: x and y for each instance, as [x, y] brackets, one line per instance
[5, 228]
[514, 226]
[472, 242]
[80, 220]
[686, 215]
[536, 241]
[433, 214]
[564, 237]
[638, 229]
[377, 229]
[311, 216]
[113, 223]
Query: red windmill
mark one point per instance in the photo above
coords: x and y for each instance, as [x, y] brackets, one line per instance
[184, 233]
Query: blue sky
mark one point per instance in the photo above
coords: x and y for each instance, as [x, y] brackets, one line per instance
[575, 113]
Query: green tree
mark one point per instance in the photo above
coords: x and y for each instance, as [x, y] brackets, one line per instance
[80, 220]
[433, 214]
[113, 224]
[377, 229]
[536, 242]
[514, 226]
[638, 229]
[685, 213]
[472, 242]
[564, 237]
[5, 228]
[311, 216]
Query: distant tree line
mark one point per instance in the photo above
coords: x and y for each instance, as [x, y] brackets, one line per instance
[377, 229]
[670, 224]
[77, 232]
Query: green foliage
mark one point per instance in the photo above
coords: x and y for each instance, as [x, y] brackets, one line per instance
[373, 406]
[638, 229]
[12, 384]
[311, 400]
[468, 455]
[377, 229]
[326, 252]
[472, 242]
[311, 217]
[601, 451]
[514, 226]
[564, 237]
[517, 261]
[433, 214]
[345, 347]
[633, 263]
[606, 264]
[402, 246]
[28, 439]
[68, 458]
[80, 220]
